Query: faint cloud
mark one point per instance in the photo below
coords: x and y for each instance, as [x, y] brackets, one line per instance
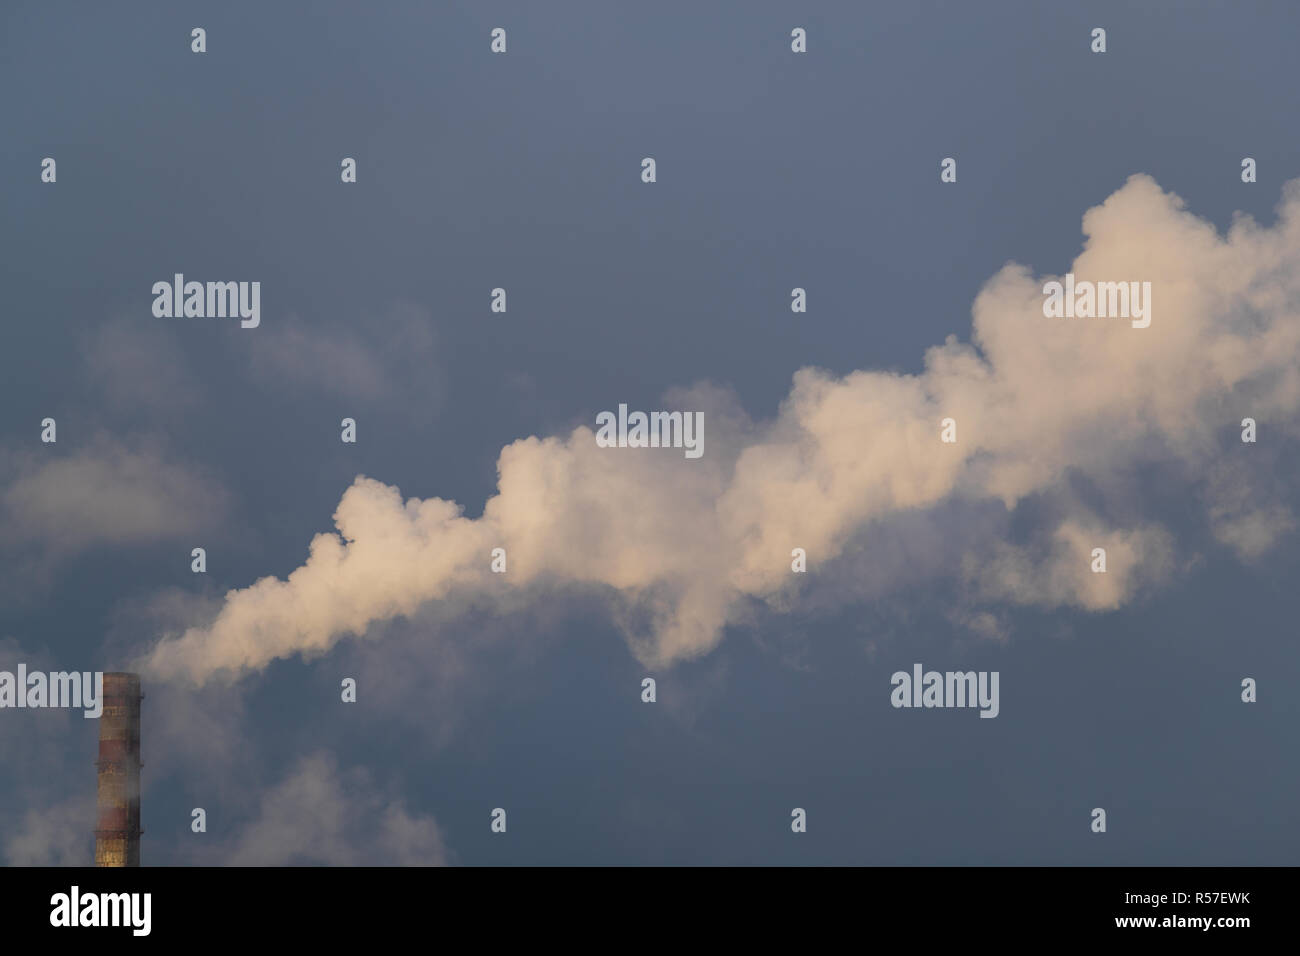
[59, 835]
[137, 366]
[392, 356]
[106, 494]
[321, 815]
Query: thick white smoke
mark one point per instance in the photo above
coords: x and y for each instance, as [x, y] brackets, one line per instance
[684, 544]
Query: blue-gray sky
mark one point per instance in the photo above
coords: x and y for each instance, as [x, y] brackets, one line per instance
[774, 170]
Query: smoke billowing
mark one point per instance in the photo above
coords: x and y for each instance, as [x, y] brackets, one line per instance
[1041, 406]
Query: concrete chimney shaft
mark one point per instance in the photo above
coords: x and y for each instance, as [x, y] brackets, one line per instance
[117, 832]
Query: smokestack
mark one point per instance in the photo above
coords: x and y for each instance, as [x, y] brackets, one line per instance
[117, 835]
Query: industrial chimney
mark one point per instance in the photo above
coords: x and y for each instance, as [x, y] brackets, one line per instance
[117, 834]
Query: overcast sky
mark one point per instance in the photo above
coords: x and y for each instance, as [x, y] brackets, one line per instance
[774, 170]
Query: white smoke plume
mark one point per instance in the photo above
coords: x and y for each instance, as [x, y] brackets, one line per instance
[685, 546]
